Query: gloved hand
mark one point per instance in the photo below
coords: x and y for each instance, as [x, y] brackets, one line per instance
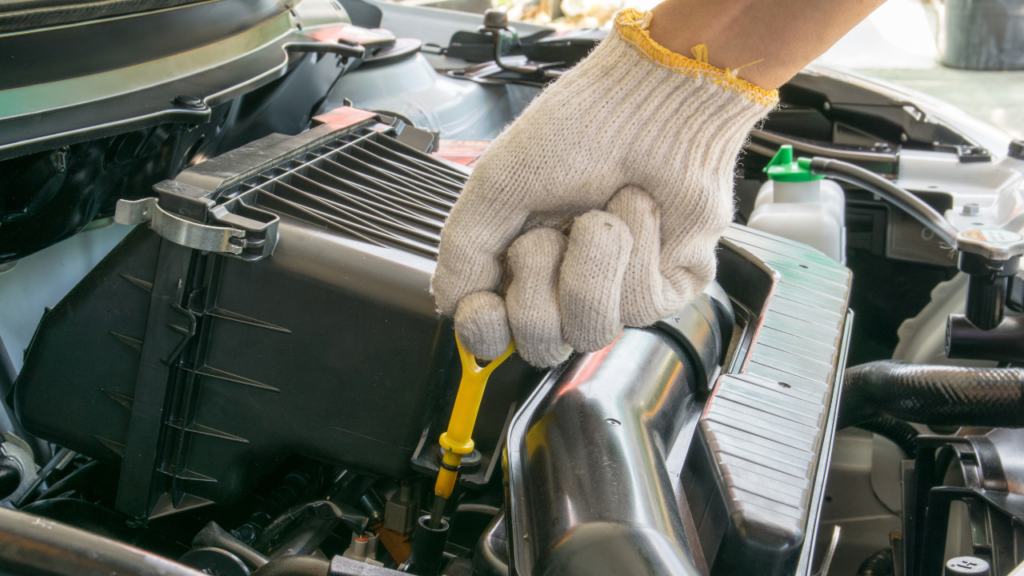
[601, 206]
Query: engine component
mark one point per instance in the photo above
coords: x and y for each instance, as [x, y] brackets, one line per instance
[906, 201]
[899, 431]
[923, 337]
[934, 395]
[635, 405]
[801, 206]
[567, 47]
[963, 498]
[363, 548]
[772, 416]
[605, 414]
[196, 367]
[371, 505]
[878, 564]
[989, 256]
[341, 566]
[32, 544]
[287, 494]
[492, 553]
[19, 472]
[306, 526]
[183, 83]
[427, 547]
[213, 536]
[1003, 343]
[215, 561]
[295, 566]
[967, 566]
[402, 510]
[457, 441]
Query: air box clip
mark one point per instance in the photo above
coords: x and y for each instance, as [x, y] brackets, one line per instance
[251, 233]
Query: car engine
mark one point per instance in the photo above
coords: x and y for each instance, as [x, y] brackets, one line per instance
[251, 377]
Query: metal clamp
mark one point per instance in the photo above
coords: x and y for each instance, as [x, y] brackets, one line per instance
[179, 230]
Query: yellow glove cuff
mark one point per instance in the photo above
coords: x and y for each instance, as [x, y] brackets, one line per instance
[632, 26]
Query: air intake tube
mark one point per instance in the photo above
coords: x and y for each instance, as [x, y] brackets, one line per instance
[933, 395]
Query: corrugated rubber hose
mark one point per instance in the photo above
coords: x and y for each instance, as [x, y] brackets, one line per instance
[933, 395]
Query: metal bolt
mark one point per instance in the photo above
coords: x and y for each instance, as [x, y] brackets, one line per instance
[191, 102]
[495, 19]
[971, 209]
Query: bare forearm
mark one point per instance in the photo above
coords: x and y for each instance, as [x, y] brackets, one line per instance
[785, 35]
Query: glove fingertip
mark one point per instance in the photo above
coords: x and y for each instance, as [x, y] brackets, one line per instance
[481, 322]
[532, 299]
[591, 280]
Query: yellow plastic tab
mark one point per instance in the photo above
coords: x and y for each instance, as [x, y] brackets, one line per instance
[458, 440]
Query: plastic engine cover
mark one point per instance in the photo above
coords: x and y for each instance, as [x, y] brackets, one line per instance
[202, 371]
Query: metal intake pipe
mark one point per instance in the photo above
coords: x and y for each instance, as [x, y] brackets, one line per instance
[31, 544]
[591, 491]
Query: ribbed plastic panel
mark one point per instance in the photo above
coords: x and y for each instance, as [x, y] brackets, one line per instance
[767, 426]
[200, 371]
[368, 186]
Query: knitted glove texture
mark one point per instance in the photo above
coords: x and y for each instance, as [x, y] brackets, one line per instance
[601, 206]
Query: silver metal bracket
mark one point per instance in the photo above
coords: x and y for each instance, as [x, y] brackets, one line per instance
[179, 230]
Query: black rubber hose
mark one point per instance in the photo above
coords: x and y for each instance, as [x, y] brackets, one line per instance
[213, 536]
[933, 395]
[294, 566]
[878, 564]
[903, 434]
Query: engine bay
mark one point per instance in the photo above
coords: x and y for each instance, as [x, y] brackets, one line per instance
[251, 377]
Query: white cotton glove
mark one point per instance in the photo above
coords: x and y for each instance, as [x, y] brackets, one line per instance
[601, 206]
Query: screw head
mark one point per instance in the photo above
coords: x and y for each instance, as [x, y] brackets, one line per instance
[190, 102]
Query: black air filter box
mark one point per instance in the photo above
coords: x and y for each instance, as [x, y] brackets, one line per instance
[309, 329]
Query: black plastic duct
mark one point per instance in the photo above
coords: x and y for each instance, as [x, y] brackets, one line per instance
[933, 395]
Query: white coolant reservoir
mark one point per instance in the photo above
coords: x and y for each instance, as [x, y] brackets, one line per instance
[801, 206]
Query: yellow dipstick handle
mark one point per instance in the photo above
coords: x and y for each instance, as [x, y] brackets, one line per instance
[458, 441]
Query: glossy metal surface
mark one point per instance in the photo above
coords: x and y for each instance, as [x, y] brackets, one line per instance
[178, 230]
[587, 462]
[491, 557]
[871, 182]
[698, 330]
[31, 544]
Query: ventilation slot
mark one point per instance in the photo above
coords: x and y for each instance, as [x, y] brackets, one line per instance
[367, 186]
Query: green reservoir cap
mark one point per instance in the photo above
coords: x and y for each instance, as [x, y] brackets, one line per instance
[782, 168]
